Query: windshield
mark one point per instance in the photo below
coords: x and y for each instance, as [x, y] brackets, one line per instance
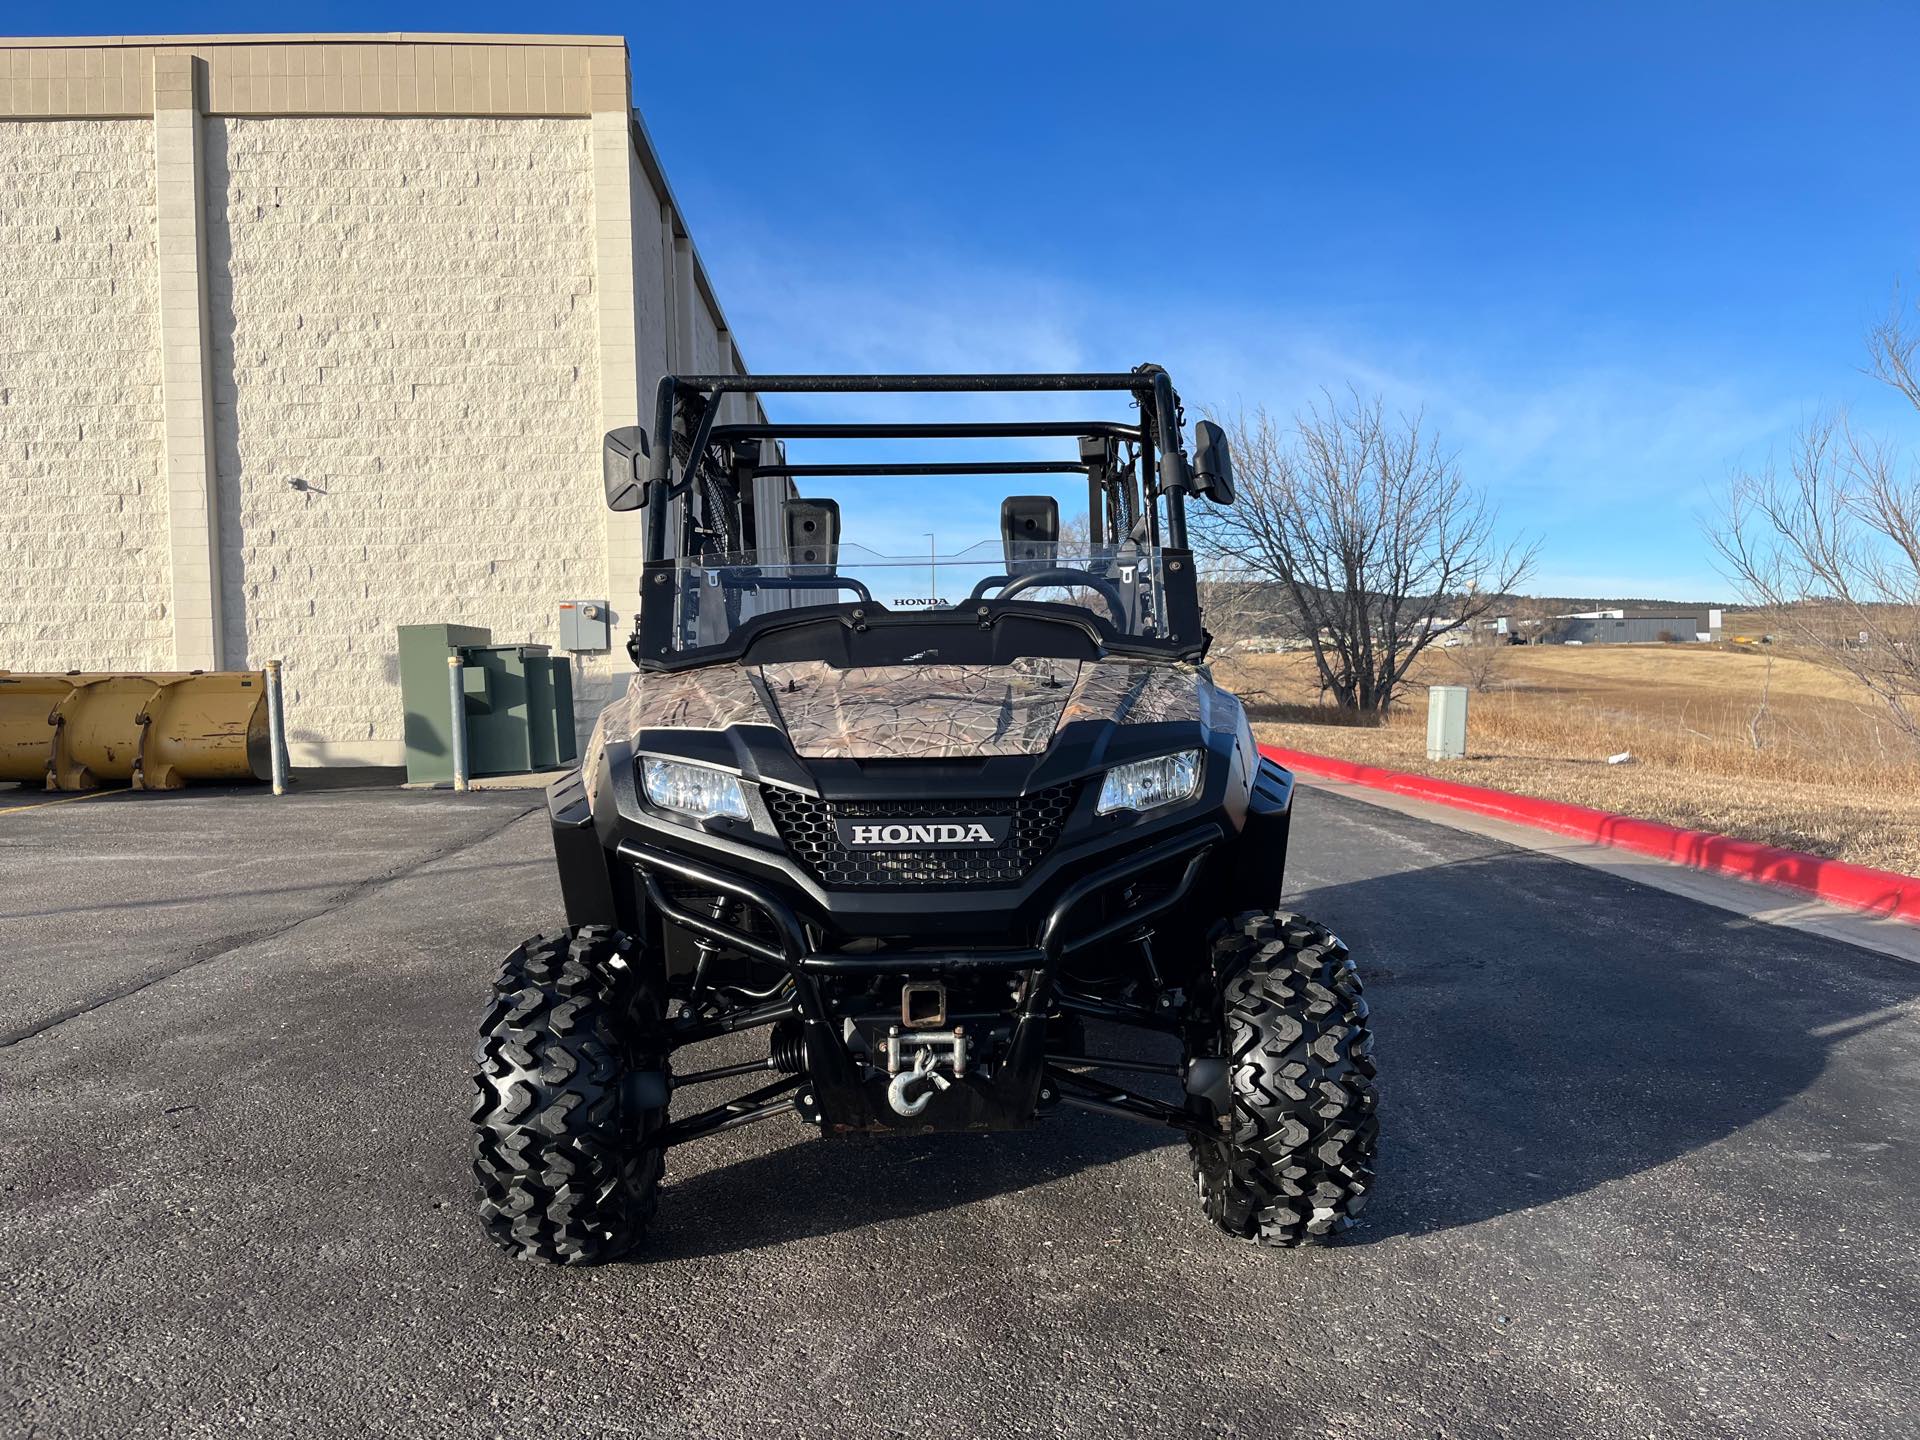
[1120, 586]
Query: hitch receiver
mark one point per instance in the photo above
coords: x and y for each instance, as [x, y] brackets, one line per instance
[923, 1004]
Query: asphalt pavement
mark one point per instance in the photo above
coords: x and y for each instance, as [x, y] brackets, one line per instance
[1648, 1168]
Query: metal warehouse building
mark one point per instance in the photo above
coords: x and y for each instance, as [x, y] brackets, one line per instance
[1634, 629]
[307, 337]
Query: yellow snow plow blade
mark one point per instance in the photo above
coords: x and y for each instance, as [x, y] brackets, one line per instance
[153, 732]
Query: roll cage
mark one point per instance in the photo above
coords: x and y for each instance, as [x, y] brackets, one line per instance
[704, 485]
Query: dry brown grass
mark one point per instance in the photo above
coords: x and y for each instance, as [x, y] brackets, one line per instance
[1816, 768]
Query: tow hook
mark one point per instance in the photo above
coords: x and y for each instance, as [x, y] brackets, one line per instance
[922, 1070]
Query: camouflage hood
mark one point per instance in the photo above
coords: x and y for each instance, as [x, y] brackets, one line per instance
[920, 712]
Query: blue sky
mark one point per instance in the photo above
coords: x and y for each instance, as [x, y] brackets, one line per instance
[1613, 251]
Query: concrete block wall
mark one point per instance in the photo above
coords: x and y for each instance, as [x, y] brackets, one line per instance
[406, 404]
[83, 486]
[305, 339]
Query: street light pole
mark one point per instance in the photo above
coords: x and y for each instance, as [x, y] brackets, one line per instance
[933, 569]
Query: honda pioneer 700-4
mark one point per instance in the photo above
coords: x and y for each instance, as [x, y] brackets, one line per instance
[916, 822]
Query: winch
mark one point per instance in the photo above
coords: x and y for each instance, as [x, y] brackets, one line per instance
[915, 1082]
[922, 1049]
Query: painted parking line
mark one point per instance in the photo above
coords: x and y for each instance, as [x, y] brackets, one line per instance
[6, 809]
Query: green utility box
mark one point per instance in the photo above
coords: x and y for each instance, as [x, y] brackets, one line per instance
[423, 693]
[524, 719]
[518, 702]
[550, 713]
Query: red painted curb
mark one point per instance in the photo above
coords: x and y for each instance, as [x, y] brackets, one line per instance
[1859, 887]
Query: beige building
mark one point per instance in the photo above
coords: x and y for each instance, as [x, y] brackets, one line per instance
[306, 337]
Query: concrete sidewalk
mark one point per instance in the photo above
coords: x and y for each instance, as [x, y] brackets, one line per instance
[1765, 903]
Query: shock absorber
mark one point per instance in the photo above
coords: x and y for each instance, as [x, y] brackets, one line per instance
[1145, 941]
[705, 946]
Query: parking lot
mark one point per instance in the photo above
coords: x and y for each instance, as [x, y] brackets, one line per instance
[1648, 1168]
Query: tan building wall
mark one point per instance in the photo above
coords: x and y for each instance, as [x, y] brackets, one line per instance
[407, 423]
[83, 485]
[336, 328]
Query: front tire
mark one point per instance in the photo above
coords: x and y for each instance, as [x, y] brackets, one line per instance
[1293, 1163]
[568, 1053]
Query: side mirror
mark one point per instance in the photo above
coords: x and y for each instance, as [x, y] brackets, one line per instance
[621, 467]
[1212, 463]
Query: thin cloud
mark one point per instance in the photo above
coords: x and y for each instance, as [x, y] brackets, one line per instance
[1608, 464]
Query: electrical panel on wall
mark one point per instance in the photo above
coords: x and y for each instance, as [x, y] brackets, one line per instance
[584, 625]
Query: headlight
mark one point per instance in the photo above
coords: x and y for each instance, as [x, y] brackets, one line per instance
[1149, 784]
[696, 790]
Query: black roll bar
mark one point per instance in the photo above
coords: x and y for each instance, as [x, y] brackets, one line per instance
[1150, 386]
[931, 467]
[926, 430]
[1131, 380]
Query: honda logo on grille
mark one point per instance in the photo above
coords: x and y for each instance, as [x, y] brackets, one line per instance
[987, 830]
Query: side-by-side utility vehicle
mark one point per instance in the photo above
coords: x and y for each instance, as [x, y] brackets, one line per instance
[899, 828]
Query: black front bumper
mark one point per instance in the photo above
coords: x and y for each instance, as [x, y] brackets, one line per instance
[619, 867]
[843, 1097]
[1058, 932]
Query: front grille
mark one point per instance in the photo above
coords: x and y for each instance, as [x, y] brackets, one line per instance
[806, 824]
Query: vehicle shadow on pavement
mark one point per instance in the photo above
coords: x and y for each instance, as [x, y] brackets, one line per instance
[1542, 1029]
[816, 1187]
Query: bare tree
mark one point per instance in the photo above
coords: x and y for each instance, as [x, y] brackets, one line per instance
[1246, 610]
[1537, 624]
[1378, 540]
[1830, 550]
[1759, 727]
[1481, 662]
[1239, 608]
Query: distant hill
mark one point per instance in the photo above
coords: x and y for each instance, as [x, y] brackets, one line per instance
[1633, 605]
[1272, 598]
